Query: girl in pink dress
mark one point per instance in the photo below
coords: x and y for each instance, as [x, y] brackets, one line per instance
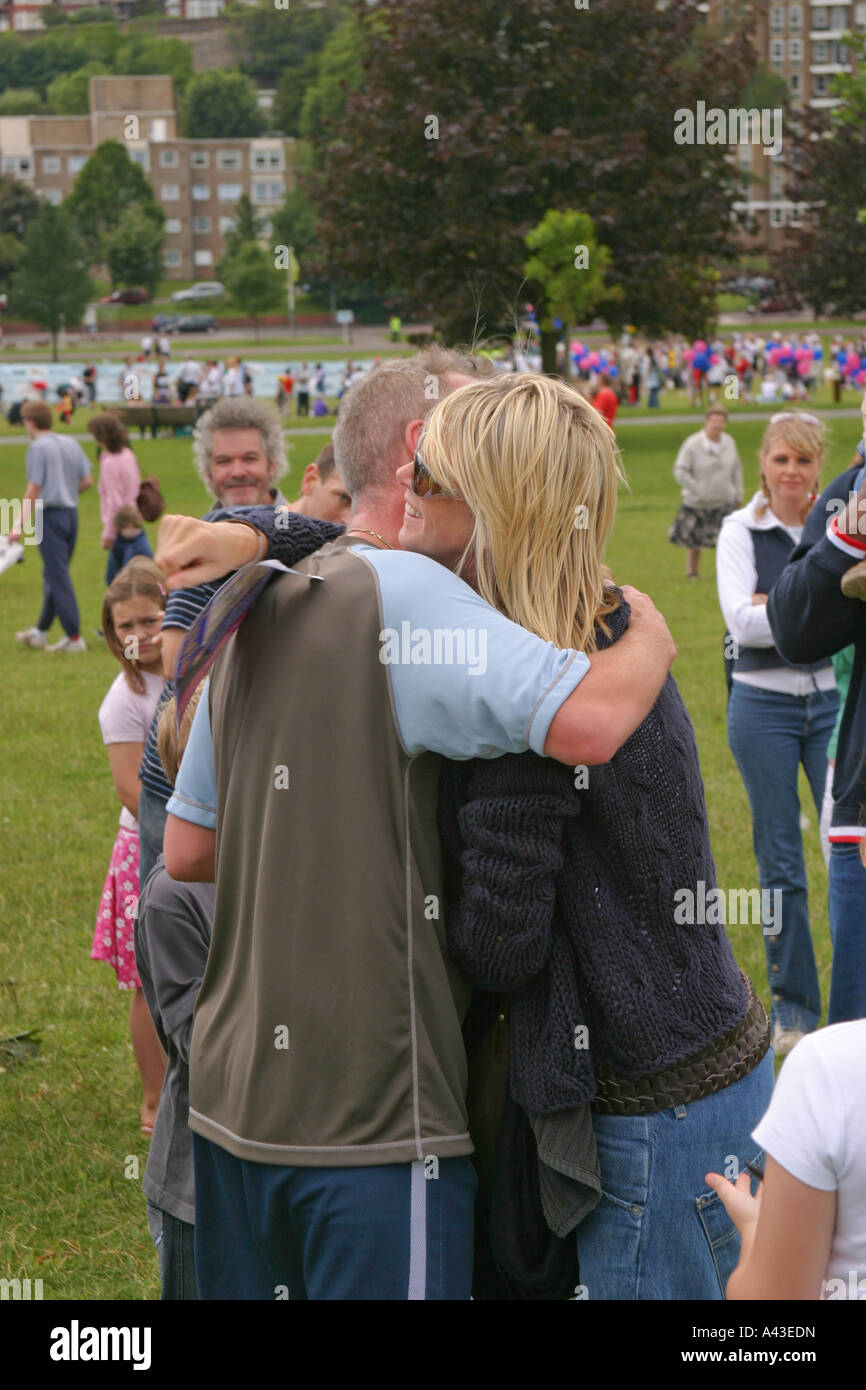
[132, 622]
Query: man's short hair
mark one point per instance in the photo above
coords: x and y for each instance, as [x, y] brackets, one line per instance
[325, 462]
[375, 411]
[239, 413]
[39, 412]
[715, 410]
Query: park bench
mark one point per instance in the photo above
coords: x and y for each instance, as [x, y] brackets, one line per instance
[149, 416]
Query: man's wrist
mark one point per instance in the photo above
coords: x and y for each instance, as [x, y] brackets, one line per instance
[261, 540]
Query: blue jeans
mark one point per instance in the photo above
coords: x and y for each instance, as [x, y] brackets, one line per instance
[59, 533]
[658, 1231]
[394, 1231]
[848, 930]
[151, 827]
[175, 1250]
[770, 734]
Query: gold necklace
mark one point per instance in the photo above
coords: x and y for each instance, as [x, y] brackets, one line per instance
[362, 531]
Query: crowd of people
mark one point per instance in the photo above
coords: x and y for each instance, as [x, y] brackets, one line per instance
[405, 822]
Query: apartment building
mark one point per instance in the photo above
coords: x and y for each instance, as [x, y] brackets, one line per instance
[802, 41]
[196, 182]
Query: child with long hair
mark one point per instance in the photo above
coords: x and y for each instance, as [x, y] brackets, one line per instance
[132, 622]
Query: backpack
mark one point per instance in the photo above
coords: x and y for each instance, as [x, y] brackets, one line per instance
[150, 501]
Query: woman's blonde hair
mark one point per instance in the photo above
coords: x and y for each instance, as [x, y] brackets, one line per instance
[141, 578]
[805, 434]
[539, 469]
[171, 741]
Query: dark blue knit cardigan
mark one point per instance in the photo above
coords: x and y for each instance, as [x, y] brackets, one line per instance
[567, 903]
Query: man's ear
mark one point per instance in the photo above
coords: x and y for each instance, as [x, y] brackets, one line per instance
[310, 479]
[411, 436]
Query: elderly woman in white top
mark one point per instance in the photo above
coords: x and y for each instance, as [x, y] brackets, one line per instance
[779, 715]
[710, 474]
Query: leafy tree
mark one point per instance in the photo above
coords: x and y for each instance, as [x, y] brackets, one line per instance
[69, 93]
[295, 222]
[109, 183]
[18, 206]
[275, 43]
[23, 101]
[475, 120]
[567, 274]
[148, 53]
[133, 250]
[88, 15]
[53, 15]
[338, 72]
[221, 105]
[247, 225]
[251, 280]
[51, 286]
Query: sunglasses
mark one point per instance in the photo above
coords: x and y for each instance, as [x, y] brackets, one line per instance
[423, 482]
[795, 415]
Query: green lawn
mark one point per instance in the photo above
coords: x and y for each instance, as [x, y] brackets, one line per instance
[69, 1117]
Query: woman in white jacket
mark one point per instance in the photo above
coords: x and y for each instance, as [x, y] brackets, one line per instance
[779, 715]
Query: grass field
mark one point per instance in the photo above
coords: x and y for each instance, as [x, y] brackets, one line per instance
[73, 1212]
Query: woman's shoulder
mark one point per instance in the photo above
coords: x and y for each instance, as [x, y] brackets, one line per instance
[120, 698]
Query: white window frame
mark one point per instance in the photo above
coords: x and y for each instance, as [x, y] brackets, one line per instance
[795, 50]
[52, 164]
[203, 257]
[169, 192]
[201, 226]
[172, 258]
[200, 192]
[777, 51]
[75, 159]
[777, 217]
[173, 226]
[229, 192]
[168, 159]
[795, 17]
[230, 161]
[199, 159]
[777, 19]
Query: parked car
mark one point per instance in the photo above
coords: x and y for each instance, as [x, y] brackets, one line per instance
[778, 304]
[165, 323]
[196, 323]
[205, 289]
[125, 297]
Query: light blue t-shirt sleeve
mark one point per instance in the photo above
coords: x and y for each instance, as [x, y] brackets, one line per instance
[194, 796]
[467, 682]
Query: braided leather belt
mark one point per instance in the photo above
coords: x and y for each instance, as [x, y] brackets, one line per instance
[725, 1059]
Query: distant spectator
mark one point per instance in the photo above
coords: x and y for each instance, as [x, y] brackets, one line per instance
[233, 381]
[302, 386]
[119, 475]
[146, 346]
[131, 540]
[710, 474]
[188, 378]
[89, 378]
[395, 324]
[161, 385]
[605, 400]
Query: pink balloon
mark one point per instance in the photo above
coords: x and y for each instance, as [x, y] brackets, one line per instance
[804, 367]
[688, 354]
[699, 345]
[852, 362]
[714, 357]
[577, 349]
[773, 356]
[593, 359]
[803, 354]
[860, 378]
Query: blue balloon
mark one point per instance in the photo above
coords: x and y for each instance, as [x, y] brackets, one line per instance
[769, 345]
[613, 371]
[557, 323]
[817, 354]
[701, 362]
[841, 358]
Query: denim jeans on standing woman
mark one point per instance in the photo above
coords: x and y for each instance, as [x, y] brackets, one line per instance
[658, 1231]
[848, 932]
[771, 733]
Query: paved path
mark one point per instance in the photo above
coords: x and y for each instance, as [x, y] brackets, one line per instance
[844, 413]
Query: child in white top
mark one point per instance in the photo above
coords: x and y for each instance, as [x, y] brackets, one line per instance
[804, 1236]
[132, 622]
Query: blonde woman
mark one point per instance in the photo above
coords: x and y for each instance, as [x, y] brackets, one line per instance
[779, 715]
[573, 881]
